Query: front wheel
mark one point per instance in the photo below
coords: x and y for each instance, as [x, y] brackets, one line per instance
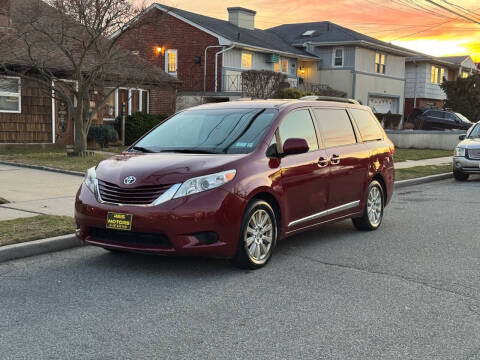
[258, 236]
[460, 176]
[373, 212]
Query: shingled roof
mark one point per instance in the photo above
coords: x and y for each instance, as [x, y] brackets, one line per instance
[327, 32]
[258, 38]
[124, 67]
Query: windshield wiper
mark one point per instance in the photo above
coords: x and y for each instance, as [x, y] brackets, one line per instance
[143, 149]
[190, 151]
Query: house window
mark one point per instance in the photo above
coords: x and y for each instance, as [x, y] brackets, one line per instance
[247, 60]
[442, 75]
[380, 63]
[337, 57]
[276, 66]
[284, 65]
[171, 61]
[434, 75]
[10, 95]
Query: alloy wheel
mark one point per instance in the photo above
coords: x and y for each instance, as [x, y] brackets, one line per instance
[259, 236]
[374, 206]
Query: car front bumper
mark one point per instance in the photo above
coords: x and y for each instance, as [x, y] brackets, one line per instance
[204, 224]
[465, 165]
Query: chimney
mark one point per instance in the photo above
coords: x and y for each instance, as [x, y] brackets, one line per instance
[241, 17]
[4, 13]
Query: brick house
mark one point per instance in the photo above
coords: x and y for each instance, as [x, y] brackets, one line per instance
[208, 55]
[30, 114]
[424, 74]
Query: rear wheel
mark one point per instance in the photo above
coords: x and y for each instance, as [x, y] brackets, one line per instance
[460, 176]
[373, 212]
[258, 236]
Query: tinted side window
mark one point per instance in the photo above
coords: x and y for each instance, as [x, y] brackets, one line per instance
[434, 113]
[299, 124]
[450, 116]
[335, 127]
[368, 125]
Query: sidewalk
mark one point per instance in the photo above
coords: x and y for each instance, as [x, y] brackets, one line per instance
[412, 163]
[36, 192]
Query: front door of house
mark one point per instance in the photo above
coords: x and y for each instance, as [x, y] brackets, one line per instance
[64, 125]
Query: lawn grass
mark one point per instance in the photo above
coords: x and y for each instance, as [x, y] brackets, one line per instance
[34, 228]
[420, 171]
[51, 158]
[419, 154]
[115, 149]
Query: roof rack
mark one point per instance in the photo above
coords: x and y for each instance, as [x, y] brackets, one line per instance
[329, 98]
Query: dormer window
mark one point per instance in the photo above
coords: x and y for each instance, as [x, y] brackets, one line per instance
[338, 57]
[309, 33]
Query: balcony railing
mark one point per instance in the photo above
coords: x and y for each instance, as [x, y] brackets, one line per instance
[312, 87]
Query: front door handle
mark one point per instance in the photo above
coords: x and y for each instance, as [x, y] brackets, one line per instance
[335, 159]
[322, 162]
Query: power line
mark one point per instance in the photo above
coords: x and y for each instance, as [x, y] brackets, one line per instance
[453, 11]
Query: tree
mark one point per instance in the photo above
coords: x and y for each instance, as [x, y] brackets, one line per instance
[463, 96]
[76, 41]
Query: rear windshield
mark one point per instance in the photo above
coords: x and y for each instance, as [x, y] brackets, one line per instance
[218, 131]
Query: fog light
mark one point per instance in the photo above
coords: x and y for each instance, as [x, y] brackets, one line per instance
[207, 237]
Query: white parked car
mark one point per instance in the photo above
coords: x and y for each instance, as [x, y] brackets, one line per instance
[466, 159]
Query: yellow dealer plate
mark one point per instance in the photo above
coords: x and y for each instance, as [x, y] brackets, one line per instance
[119, 221]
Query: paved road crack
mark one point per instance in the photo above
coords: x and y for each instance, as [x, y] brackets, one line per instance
[475, 309]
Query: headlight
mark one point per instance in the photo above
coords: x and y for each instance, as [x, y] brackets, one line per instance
[459, 151]
[203, 183]
[91, 179]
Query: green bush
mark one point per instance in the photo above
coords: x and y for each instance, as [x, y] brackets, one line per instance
[102, 134]
[137, 125]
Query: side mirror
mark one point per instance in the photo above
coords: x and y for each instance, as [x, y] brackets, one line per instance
[462, 137]
[295, 146]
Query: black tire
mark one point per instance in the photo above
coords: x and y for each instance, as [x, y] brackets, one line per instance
[460, 176]
[115, 251]
[243, 258]
[365, 223]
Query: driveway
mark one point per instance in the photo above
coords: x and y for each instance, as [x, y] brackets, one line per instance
[33, 192]
[410, 290]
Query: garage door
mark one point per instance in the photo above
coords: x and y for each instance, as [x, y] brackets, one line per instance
[383, 104]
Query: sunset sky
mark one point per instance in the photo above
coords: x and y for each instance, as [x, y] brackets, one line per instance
[415, 24]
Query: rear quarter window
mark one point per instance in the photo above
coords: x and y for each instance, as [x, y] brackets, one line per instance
[368, 125]
[335, 127]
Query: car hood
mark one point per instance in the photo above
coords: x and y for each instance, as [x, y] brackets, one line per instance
[155, 169]
[471, 143]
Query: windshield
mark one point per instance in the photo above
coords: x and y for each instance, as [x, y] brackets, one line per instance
[475, 133]
[217, 131]
[463, 118]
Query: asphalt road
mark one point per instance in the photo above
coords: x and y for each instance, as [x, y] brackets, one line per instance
[410, 290]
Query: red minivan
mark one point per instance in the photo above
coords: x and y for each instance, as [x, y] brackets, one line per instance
[232, 179]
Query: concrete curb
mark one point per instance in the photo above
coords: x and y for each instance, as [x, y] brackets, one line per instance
[46, 168]
[422, 180]
[37, 247]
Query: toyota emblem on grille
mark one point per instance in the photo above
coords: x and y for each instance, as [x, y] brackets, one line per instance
[129, 180]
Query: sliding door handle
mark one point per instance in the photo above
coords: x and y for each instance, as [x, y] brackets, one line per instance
[335, 159]
[322, 162]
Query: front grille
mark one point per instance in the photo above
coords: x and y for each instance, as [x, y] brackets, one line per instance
[474, 154]
[130, 238]
[140, 195]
